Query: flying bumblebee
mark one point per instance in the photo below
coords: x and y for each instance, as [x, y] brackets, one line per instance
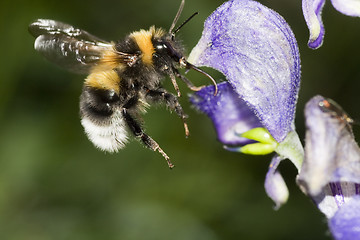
[123, 78]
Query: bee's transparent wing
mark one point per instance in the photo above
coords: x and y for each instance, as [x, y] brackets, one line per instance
[68, 47]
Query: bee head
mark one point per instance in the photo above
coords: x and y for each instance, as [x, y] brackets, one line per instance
[169, 45]
[167, 48]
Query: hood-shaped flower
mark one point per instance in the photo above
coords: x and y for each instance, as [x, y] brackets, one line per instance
[331, 153]
[330, 174]
[312, 10]
[255, 49]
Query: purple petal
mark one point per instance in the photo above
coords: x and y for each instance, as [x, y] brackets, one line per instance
[347, 7]
[275, 185]
[334, 195]
[312, 13]
[257, 52]
[331, 170]
[345, 225]
[331, 153]
[230, 115]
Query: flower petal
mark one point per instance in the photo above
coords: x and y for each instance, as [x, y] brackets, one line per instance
[334, 195]
[331, 153]
[312, 13]
[230, 115]
[347, 7]
[257, 52]
[345, 225]
[275, 185]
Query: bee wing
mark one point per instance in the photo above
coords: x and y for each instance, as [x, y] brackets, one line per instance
[68, 47]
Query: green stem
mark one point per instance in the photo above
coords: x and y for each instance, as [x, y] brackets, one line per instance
[292, 149]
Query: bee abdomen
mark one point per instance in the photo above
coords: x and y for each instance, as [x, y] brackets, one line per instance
[102, 120]
[109, 136]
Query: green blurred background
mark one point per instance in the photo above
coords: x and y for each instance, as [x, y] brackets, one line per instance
[55, 185]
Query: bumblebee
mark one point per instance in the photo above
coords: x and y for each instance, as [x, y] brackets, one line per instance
[124, 77]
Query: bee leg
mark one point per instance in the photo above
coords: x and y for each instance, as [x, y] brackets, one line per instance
[173, 80]
[146, 139]
[187, 81]
[171, 101]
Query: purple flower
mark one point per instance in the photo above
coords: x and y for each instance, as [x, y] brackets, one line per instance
[312, 13]
[230, 114]
[330, 174]
[275, 185]
[254, 110]
[256, 50]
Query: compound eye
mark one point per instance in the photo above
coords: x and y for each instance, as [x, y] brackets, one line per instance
[176, 56]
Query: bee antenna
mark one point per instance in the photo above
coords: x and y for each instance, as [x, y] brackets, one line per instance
[190, 66]
[185, 22]
[177, 16]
